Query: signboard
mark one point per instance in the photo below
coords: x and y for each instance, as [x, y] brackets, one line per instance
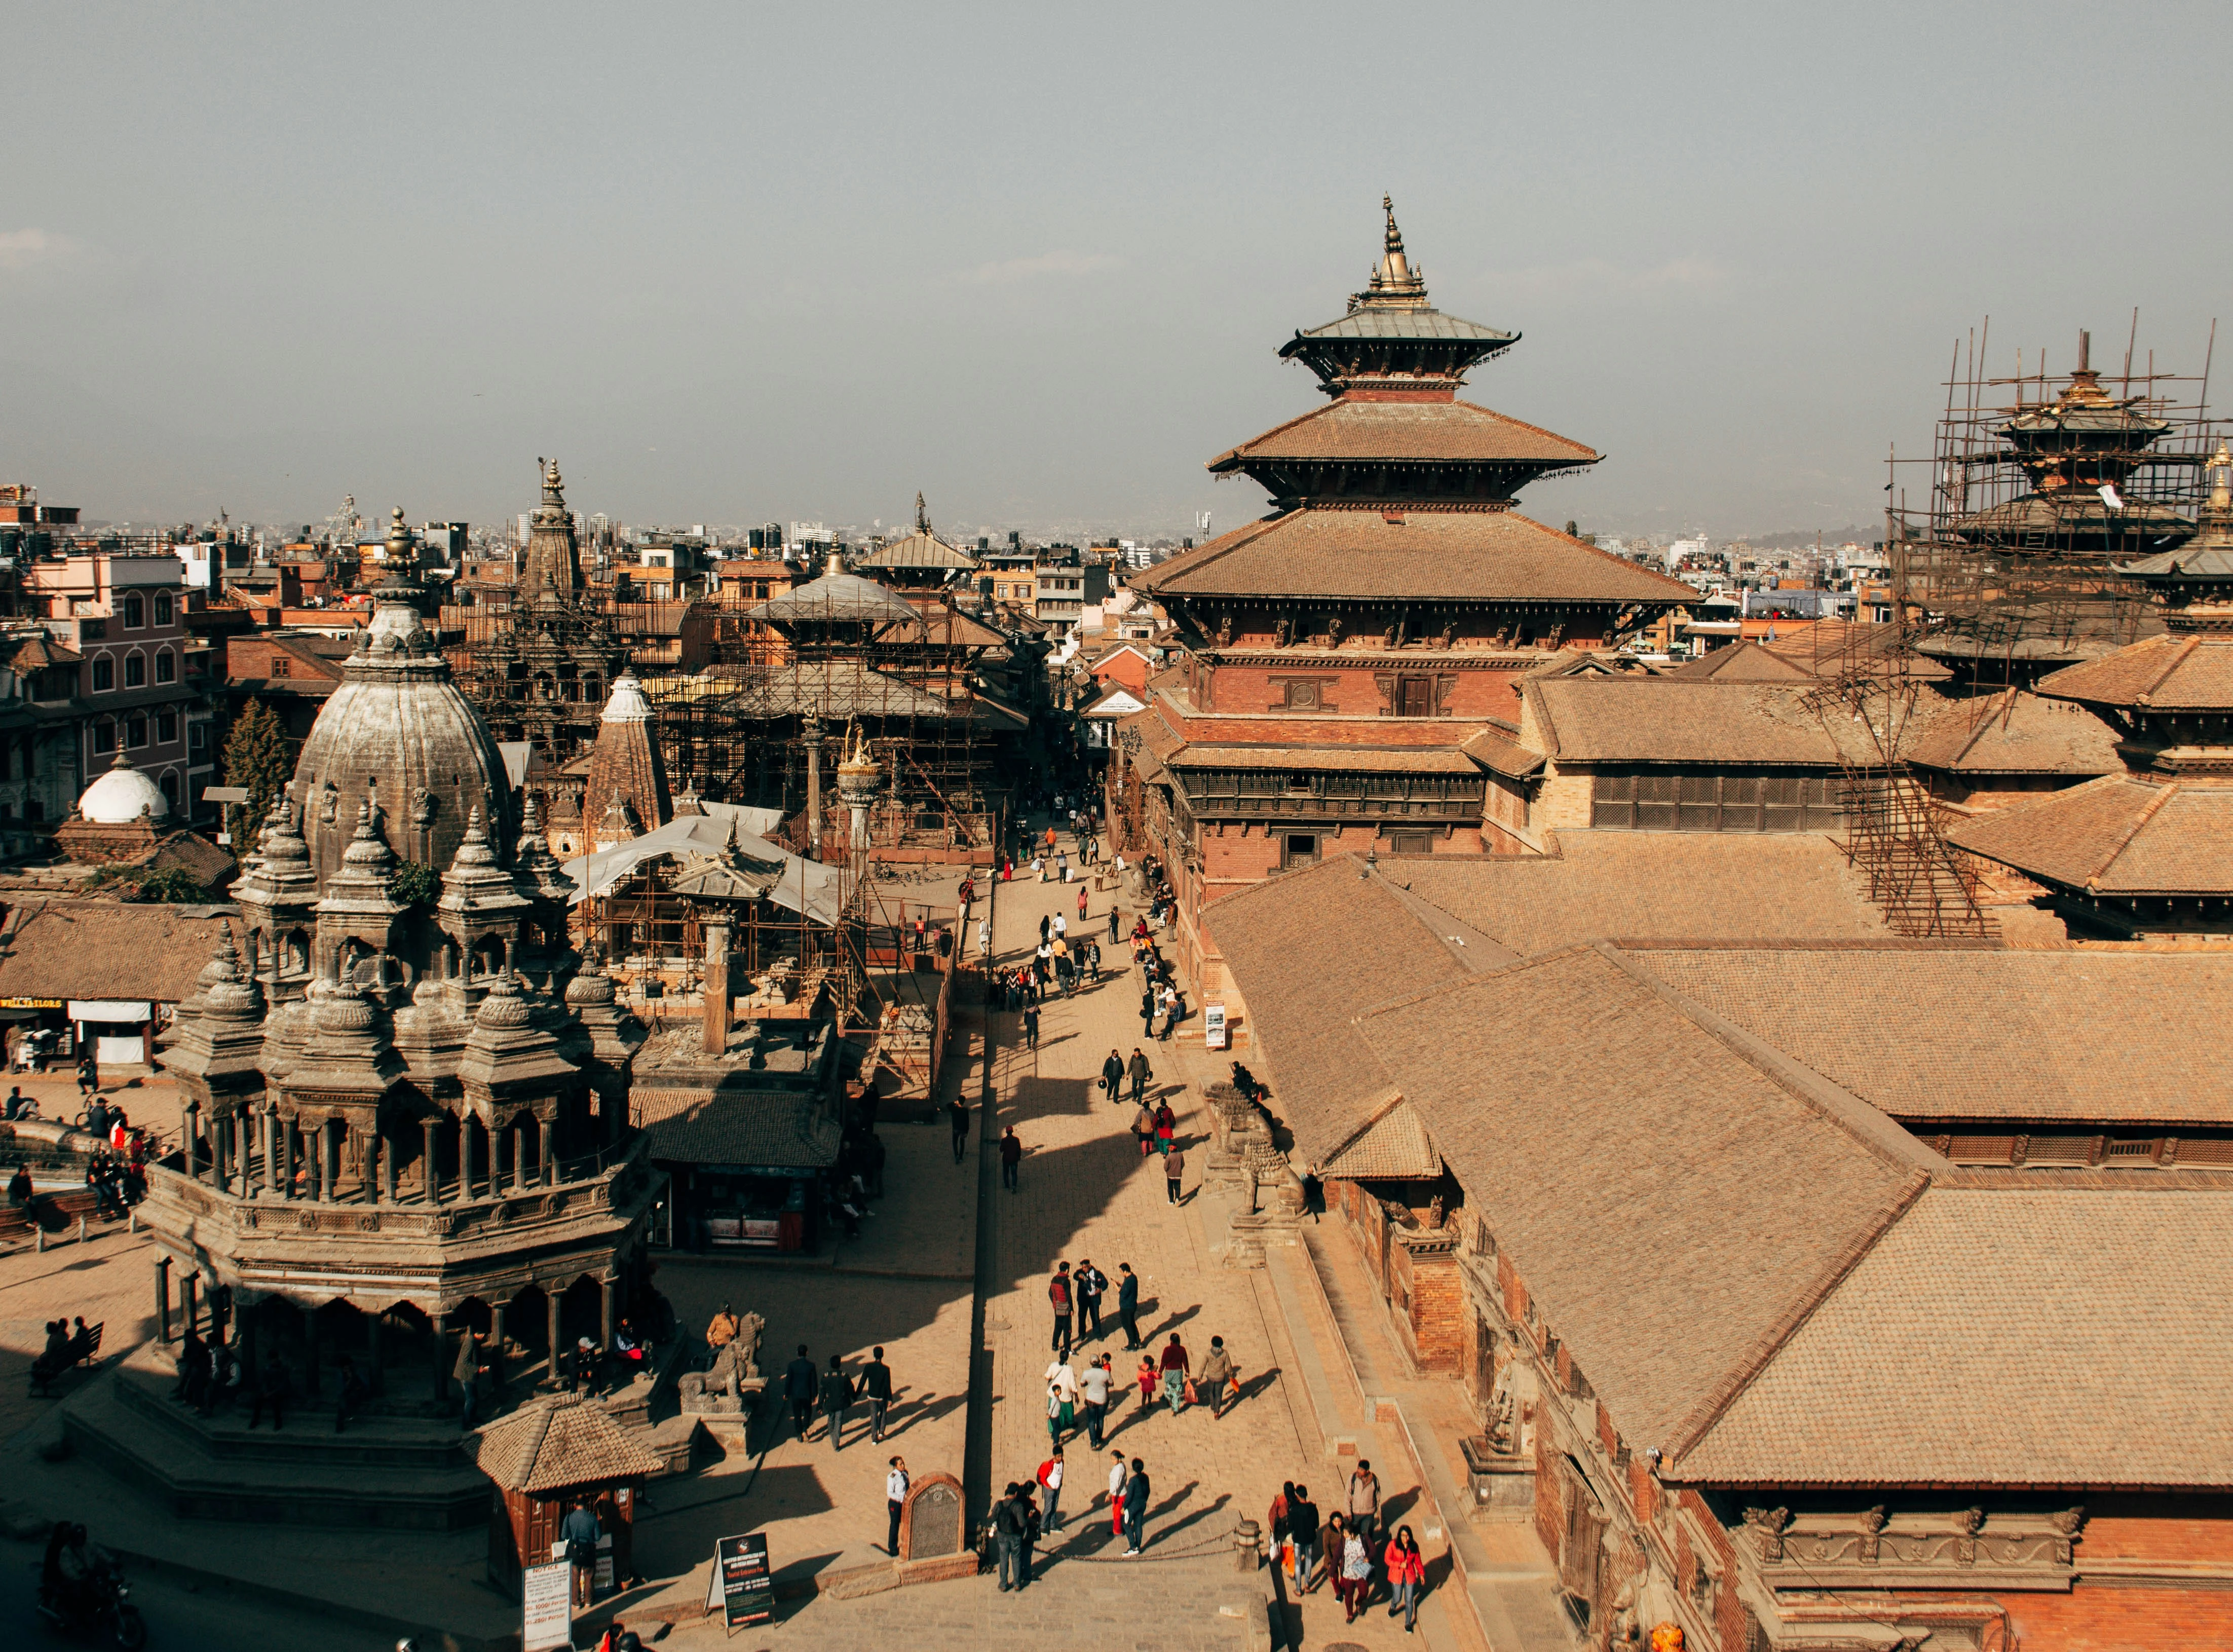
[601, 1576]
[740, 1573]
[30, 1004]
[111, 1010]
[547, 1608]
[1213, 1025]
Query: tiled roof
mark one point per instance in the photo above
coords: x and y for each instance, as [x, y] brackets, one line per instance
[2014, 732]
[1401, 432]
[1495, 749]
[103, 949]
[1478, 555]
[2172, 672]
[556, 1443]
[1346, 759]
[2117, 835]
[1669, 884]
[1309, 952]
[1831, 647]
[918, 550]
[727, 1127]
[1669, 719]
[1742, 662]
[1671, 1207]
[2015, 1338]
[1927, 1031]
[1394, 1147]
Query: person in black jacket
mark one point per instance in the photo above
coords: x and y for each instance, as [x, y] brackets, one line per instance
[876, 1384]
[799, 1388]
[1025, 1492]
[1112, 1075]
[1127, 1303]
[957, 1117]
[836, 1395]
[1010, 1523]
[1135, 1508]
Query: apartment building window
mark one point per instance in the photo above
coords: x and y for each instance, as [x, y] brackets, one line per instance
[104, 674]
[135, 670]
[197, 738]
[1675, 799]
[169, 782]
[166, 666]
[104, 736]
[134, 612]
[280, 665]
[164, 608]
[135, 733]
[167, 727]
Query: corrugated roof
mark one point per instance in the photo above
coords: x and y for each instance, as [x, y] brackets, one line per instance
[804, 886]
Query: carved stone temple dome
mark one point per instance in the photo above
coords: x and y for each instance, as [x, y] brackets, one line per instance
[400, 728]
[122, 794]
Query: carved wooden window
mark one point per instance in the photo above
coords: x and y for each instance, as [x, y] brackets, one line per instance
[1410, 842]
[1298, 848]
[1415, 696]
[1710, 800]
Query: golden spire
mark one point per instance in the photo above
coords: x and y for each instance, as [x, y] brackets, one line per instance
[1394, 283]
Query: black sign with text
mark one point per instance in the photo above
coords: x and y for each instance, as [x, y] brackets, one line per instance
[747, 1592]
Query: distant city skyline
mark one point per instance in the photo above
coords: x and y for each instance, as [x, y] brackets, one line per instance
[733, 266]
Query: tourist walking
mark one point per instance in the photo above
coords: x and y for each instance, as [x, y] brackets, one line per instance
[896, 1491]
[1031, 1027]
[876, 1386]
[1050, 1478]
[1128, 1304]
[1081, 904]
[1303, 1529]
[1174, 1365]
[1025, 1492]
[1174, 1173]
[1141, 1074]
[1118, 1474]
[1093, 961]
[1147, 1013]
[798, 1385]
[1167, 1127]
[1116, 926]
[1143, 1129]
[1112, 1075]
[957, 1118]
[1407, 1575]
[1217, 1378]
[837, 1395]
[1364, 1499]
[469, 1369]
[1091, 1284]
[1012, 1155]
[1061, 1297]
[1349, 1564]
[1135, 1508]
[1008, 1526]
[1093, 1388]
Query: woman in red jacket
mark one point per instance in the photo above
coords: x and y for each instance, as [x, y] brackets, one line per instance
[1407, 1575]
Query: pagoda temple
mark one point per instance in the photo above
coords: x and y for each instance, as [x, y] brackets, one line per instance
[1337, 655]
[2148, 853]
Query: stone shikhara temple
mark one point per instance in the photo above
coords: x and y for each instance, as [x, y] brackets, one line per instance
[417, 1108]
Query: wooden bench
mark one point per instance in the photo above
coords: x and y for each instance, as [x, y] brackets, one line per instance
[42, 1380]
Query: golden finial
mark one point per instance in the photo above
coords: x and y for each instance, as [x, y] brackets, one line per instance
[1395, 235]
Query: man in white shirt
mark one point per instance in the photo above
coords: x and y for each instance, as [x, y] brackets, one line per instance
[1061, 924]
[1093, 1386]
[896, 1491]
[1062, 1377]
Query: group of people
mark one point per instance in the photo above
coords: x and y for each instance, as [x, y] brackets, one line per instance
[1019, 1522]
[812, 1390]
[1355, 1546]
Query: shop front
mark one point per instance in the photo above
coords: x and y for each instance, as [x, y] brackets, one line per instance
[747, 1171]
[753, 1207]
[121, 1033]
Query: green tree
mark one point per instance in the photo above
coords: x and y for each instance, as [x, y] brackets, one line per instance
[254, 759]
[416, 882]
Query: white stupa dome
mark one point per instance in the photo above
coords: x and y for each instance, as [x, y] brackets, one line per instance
[121, 796]
[626, 704]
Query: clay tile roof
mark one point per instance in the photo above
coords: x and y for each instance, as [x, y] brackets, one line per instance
[2166, 673]
[1304, 1001]
[1479, 556]
[1393, 1147]
[102, 949]
[2014, 732]
[1346, 758]
[1672, 885]
[918, 550]
[1407, 432]
[1673, 1209]
[34, 651]
[771, 1128]
[554, 1444]
[2117, 835]
[1669, 719]
[1830, 647]
[1493, 748]
[2055, 1294]
[1925, 1031]
[1742, 662]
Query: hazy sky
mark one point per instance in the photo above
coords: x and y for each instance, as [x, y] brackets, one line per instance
[733, 262]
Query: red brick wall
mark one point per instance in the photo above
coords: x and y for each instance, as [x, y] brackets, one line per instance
[1349, 689]
[1550, 1512]
[2105, 1618]
[1441, 1326]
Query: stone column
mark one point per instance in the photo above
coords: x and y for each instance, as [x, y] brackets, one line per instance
[551, 1323]
[189, 1127]
[496, 1346]
[717, 983]
[605, 1312]
[189, 1307]
[428, 1174]
[386, 1139]
[163, 1298]
[545, 1161]
[286, 1129]
[309, 1348]
[330, 1149]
